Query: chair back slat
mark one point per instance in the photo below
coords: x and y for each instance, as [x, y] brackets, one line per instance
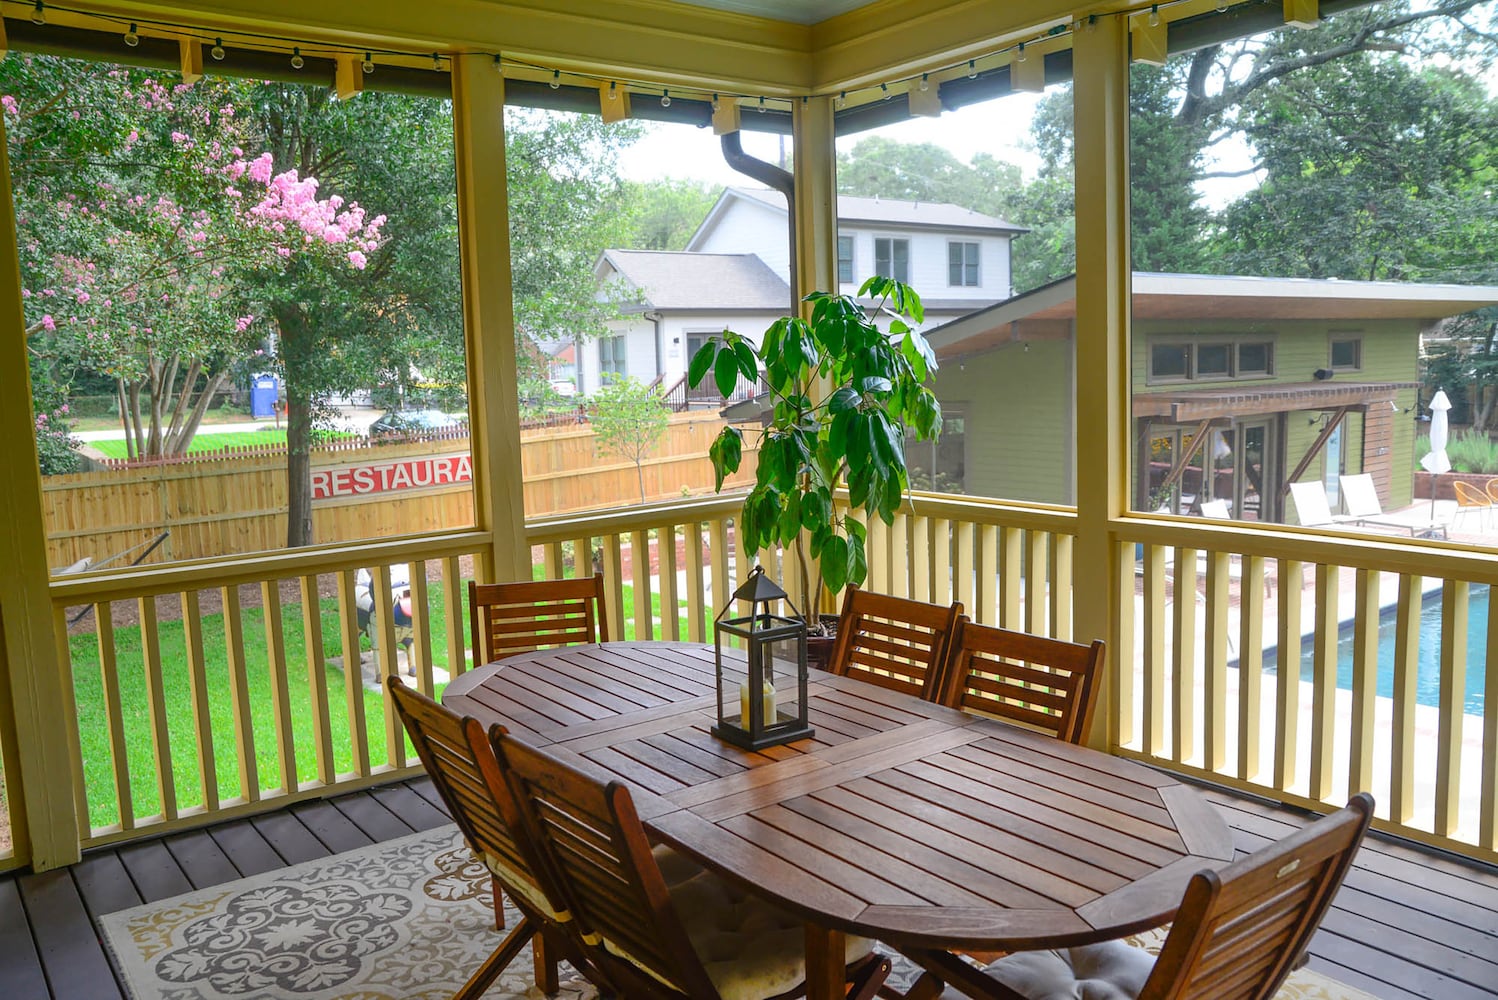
[590, 841]
[460, 761]
[1240, 931]
[1047, 684]
[509, 618]
[894, 642]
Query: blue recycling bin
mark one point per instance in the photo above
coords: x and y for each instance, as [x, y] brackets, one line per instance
[263, 394]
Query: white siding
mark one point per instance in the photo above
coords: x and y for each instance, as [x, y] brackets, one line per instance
[928, 261]
[751, 227]
[678, 326]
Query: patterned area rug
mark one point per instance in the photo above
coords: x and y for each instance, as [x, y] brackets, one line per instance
[407, 919]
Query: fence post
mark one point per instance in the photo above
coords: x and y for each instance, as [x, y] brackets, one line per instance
[30, 670]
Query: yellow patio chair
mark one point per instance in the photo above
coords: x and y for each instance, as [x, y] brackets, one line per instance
[1470, 499]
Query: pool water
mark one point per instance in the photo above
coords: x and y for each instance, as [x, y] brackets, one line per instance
[1428, 680]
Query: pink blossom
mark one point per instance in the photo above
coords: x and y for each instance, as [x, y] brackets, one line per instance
[83, 298]
[133, 137]
[284, 251]
[25, 293]
[180, 138]
[243, 323]
[356, 259]
[48, 323]
[76, 115]
[9, 103]
[260, 169]
[63, 408]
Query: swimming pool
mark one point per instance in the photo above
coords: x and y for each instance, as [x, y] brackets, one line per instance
[1428, 679]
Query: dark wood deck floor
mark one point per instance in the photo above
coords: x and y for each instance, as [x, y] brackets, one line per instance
[1408, 923]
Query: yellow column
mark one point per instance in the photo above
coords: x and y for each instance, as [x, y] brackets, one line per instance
[29, 664]
[488, 315]
[816, 196]
[1101, 95]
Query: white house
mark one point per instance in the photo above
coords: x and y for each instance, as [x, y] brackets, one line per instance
[735, 274]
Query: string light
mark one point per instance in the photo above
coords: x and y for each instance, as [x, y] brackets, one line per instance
[884, 87]
[1020, 56]
[842, 99]
[925, 82]
[368, 65]
[1154, 18]
[665, 98]
[217, 52]
[131, 38]
[297, 62]
[715, 104]
[436, 62]
[972, 69]
[556, 80]
[1222, 6]
[761, 105]
[613, 90]
[1091, 22]
[38, 15]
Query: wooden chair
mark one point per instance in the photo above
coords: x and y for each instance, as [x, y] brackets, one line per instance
[460, 760]
[509, 618]
[894, 642]
[1043, 683]
[649, 933]
[1238, 934]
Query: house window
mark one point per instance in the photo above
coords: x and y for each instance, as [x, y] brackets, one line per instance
[612, 356]
[1346, 354]
[1213, 360]
[940, 465]
[962, 265]
[892, 258]
[845, 259]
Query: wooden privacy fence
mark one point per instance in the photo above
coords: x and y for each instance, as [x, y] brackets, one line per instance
[232, 503]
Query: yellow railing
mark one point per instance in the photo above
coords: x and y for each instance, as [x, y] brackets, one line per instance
[1221, 612]
[197, 696]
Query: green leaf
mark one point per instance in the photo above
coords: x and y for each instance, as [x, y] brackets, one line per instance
[845, 398]
[726, 373]
[748, 363]
[702, 361]
[790, 518]
[835, 562]
[874, 383]
[726, 452]
[816, 509]
[858, 561]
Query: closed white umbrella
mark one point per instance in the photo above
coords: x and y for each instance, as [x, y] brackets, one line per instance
[1437, 462]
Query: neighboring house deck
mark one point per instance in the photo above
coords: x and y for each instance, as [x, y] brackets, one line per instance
[1408, 923]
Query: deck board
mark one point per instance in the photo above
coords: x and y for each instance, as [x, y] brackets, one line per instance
[1410, 925]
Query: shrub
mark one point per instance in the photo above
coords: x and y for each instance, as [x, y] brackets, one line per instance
[1469, 451]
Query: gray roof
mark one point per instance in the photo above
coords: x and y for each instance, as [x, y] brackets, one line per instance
[719, 281]
[889, 211]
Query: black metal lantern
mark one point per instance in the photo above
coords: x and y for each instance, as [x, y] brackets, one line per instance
[772, 644]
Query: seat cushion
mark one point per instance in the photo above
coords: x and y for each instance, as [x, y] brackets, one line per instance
[1111, 970]
[751, 949]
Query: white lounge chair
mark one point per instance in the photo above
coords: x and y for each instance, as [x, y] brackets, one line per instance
[1312, 510]
[1360, 497]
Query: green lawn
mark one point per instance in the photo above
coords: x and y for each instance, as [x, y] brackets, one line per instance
[115, 448]
[93, 733]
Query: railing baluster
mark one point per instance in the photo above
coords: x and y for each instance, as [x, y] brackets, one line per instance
[114, 716]
[718, 550]
[1154, 649]
[1364, 681]
[239, 695]
[1061, 584]
[353, 674]
[161, 743]
[1406, 675]
[1324, 683]
[1250, 665]
[696, 582]
[1287, 675]
[280, 693]
[613, 583]
[1037, 555]
[1011, 576]
[1121, 655]
[987, 610]
[963, 566]
[454, 591]
[920, 559]
[551, 556]
[197, 681]
[941, 561]
[1456, 596]
[421, 628]
[665, 548]
[582, 567]
[899, 556]
[1487, 834]
[879, 555]
[639, 578]
[1183, 659]
[389, 661]
[1215, 663]
[317, 682]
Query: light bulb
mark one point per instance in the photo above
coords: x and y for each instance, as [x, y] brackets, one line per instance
[38, 15]
[556, 80]
[665, 98]
[761, 105]
[925, 82]
[1154, 18]
[368, 65]
[715, 104]
[1222, 6]
[842, 99]
[884, 88]
[1020, 56]
[1091, 22]
[613, 90]
[217, 52]
[131, 38]
[972, 69]
[436, 62]
[297, 62]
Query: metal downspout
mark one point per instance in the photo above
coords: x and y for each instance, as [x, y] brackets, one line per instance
[781, 180]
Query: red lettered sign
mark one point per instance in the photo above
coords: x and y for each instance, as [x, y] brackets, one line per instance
[389, 477]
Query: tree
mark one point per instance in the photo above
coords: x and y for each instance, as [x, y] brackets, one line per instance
[630, 419]
[666, 213]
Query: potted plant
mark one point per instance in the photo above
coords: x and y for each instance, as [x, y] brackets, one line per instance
[843, 394]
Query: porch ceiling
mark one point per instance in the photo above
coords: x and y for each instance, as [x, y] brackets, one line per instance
[1210, 404]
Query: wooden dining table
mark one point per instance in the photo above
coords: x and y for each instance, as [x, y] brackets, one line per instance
[900, 820]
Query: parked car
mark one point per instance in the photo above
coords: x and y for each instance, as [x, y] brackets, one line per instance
[412, 421]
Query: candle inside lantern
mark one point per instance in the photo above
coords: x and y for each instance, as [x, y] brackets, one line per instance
[767, 703]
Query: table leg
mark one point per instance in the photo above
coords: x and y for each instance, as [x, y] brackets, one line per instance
[826, 963]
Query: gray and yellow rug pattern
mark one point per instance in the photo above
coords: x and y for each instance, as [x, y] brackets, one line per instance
[408, 919]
